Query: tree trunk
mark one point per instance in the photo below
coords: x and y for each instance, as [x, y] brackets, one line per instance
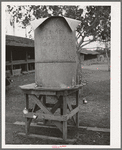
[78, 62]
[78, 69]
[108, 60]
[14, 28]
[26, 31]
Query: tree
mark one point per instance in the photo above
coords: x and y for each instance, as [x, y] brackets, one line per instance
[107, 50]
[21, 15]
[95, 22]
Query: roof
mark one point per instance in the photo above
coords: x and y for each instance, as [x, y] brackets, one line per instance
[19, 41]
[85, 51]
[73, 23]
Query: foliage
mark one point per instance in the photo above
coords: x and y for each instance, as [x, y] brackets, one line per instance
[20, 14]
[95, 22]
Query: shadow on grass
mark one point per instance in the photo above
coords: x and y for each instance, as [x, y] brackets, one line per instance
[85, 137]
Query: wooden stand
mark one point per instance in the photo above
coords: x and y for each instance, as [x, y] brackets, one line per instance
[39, 94]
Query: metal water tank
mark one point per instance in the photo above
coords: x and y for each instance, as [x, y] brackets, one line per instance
[55, 52]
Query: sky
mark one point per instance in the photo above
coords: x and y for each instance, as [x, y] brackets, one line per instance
[18, 30]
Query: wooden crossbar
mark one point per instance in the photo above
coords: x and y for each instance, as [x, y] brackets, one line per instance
[70, 108]
[45, 116]
[38, 92]
[56, 106]
[72, 113]
[46, 111]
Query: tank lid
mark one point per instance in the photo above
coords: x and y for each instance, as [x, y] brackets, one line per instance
[73, 23]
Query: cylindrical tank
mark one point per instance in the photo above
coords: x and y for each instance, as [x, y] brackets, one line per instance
[55, 54]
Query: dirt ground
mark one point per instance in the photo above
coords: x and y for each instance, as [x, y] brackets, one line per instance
[96, 113]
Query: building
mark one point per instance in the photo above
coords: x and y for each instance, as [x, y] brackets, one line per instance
[19, 55]
[88, 56]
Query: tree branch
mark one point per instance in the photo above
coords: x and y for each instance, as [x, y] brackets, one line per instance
[88, 42]
[93, 24]
[78, 44]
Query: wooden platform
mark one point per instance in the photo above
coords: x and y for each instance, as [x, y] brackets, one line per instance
[33, 86]
[38, 96]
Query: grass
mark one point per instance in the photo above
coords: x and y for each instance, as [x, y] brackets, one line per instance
[96, 113]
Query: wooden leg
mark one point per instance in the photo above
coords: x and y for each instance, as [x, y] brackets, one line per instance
[44, 102]
[28, 120]
[27, 101]
[27, 125]
[64, 122]
[61, 109]
[70, 109]
[77, 105]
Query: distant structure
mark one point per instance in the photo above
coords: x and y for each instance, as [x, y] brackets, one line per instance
[88, 56]
[19, 55]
